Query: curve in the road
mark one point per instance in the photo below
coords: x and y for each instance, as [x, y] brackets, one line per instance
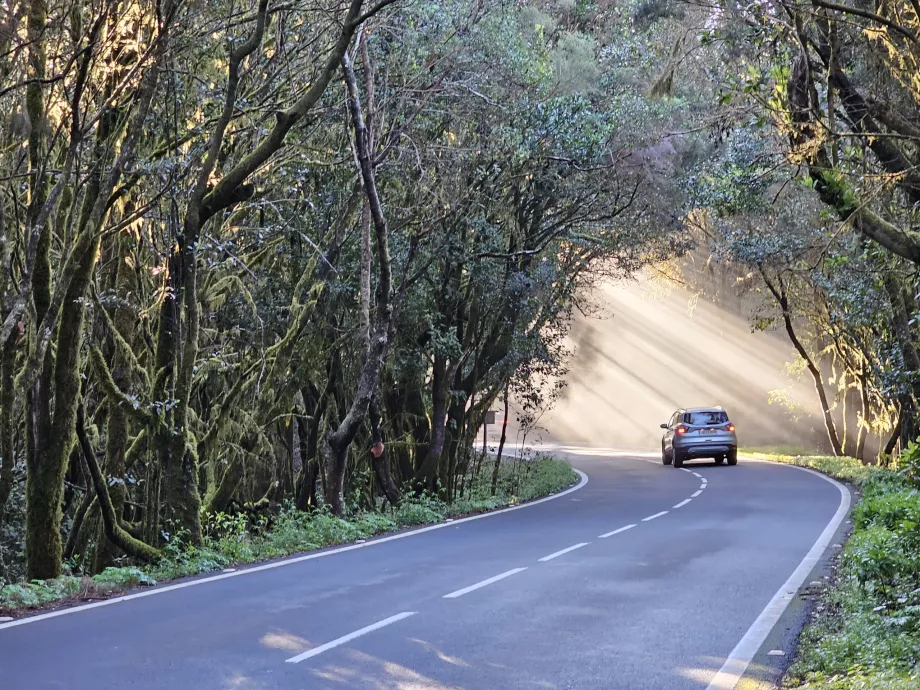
[543, 600]
[583, 479]
[741, 656]
[486, 582]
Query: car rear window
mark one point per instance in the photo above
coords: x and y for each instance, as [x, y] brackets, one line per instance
[709, 417]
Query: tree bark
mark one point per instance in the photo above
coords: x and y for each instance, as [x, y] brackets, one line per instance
[782, 299]
[895, 432]
[865, 410]
[52, 430]
[117, 427]
[337, 441]
[380, 459]
[111, 522]
[501, 442]
[7, 430]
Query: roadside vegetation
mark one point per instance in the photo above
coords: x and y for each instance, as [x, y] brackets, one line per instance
[266, 267]
[865, 630]
[261, 260]
[233, 540]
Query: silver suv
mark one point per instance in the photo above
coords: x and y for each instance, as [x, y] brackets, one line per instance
[699, 432]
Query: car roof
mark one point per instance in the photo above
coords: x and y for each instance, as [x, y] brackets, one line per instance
[717, 408]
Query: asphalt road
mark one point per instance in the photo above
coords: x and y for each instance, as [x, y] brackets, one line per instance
[549, 596]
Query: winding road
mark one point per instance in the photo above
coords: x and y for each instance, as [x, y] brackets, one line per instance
[641, 576]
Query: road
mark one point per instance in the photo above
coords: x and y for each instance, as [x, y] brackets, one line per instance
[642, 577]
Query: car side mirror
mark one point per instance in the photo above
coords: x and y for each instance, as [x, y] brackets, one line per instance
[664, 426]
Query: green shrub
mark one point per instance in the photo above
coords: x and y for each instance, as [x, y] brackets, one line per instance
[894, 510]
[864, 680]
[544, 475]
[420, 510]
[123, 577]
[38, 592]
[909, 464]
[370, 524]
[868, 634]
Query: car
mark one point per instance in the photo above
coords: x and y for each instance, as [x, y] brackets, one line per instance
[699, 432]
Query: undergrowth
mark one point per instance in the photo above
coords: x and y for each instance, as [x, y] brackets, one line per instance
[230, 540]
[866, 635]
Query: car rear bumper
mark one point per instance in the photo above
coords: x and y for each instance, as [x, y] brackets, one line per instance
[704, 450]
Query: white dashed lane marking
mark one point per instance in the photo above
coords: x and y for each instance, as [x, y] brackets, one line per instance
[616, 531]
[484, 583]
[656, 515]
[696, 493]
[683, 503]
[563, 552]
[350, 636]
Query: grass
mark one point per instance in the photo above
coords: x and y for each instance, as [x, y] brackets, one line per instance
[866, 632]
[231, 540]
[780, 450]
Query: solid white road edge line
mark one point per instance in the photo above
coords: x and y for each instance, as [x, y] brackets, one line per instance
[290, 561]
[740, 658]
[696, 493]
[616, 531]
[563, 552]
[484, 583]
[656, 515]
[350, 636]
[683, 503]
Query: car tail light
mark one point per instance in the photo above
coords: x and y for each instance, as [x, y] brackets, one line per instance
[681, 430]
[731, 427]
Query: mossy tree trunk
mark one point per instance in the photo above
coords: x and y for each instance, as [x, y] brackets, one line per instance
[117, 428]
[56, 393]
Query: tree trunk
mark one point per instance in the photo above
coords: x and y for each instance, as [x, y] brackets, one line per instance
[335, 456]
[865, 410]
[337, 441]
[225, 489]
[117, 429]
[305, 498]
[59, 380]
[782, 299]
[380, 459]
[111, 522]
[895, 432]
[501, 442]
[7, 430]
[427, 475]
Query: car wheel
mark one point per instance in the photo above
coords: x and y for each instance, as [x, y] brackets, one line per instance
[733, 457]
[677, 457]
[665, 460]
[719, 459]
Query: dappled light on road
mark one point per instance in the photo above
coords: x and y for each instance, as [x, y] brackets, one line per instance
[240, 681]
[285, 641]
[702, 673]
[366, 671]
[446, 658]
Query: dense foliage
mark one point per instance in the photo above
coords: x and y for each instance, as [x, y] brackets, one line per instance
[807, 198]
[257, 254]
